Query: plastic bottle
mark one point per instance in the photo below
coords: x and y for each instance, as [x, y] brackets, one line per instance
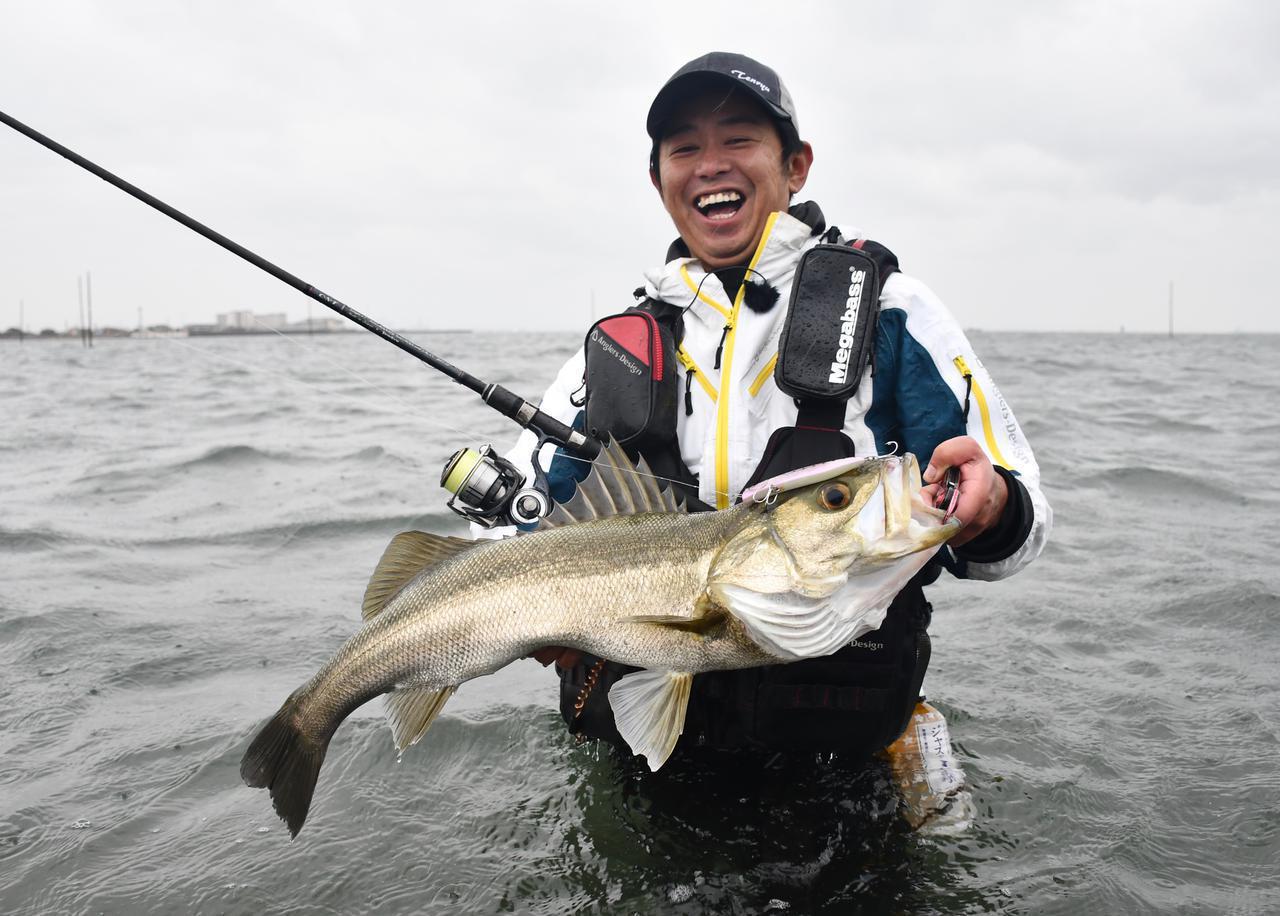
[924, 766]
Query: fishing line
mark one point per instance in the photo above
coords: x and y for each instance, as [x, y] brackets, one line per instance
[280, 376]
[526, 414]
[408, 408]
[376, 387]
[508, 403]
[351, 372]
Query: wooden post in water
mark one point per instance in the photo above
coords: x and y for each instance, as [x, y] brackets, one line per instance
[80, 298]
[88, 295]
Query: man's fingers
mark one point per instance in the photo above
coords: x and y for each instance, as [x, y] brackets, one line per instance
[545, 656]
[557, 654]
[952, 453]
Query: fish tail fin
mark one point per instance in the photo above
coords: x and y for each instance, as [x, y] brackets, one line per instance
[285, 760]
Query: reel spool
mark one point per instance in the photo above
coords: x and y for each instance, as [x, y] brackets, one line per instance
[489, 490]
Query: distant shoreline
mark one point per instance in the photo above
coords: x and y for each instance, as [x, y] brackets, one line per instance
[119, 334]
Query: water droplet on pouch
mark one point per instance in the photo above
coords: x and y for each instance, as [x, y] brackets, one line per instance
[681, 893]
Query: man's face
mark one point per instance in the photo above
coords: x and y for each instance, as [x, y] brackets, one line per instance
[720, 174]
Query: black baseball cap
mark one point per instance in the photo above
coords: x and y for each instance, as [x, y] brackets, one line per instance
[724, 68]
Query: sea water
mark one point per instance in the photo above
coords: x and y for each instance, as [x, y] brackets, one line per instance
[187, 526]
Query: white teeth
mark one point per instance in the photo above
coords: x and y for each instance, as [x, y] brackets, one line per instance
[720, 197]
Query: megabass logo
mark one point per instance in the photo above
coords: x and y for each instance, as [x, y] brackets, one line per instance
[848, 321]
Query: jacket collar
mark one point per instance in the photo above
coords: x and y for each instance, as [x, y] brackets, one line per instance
[790, 233]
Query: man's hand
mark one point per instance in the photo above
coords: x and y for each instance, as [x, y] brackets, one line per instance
[983, 492]
[564, 658]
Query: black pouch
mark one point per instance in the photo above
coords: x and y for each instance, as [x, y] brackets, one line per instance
[825, 344]
[631, 380]
[857, 700]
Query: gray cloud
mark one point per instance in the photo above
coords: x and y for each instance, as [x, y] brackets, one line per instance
[485, 166]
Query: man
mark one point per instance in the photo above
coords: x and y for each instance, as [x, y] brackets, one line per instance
[727, 159]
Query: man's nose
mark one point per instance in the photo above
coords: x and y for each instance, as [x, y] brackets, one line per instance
[711, 162]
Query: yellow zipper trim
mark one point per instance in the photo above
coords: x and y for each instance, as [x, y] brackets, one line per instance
[987, 429]
[690, 366]
[695, 288]
[763, 376]
[726, 372]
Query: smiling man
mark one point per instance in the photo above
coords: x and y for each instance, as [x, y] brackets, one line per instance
[728, 159]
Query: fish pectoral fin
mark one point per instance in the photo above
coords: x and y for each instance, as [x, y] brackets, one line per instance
[706, 616]
[411, 710]
[408, 554]
[699, 623]
[649, 709]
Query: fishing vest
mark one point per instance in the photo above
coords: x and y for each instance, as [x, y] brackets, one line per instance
[857, 700]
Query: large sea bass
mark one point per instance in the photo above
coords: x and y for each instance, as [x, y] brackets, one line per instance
[804, 564]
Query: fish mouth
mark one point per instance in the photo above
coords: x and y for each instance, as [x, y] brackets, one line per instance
[719, 205]
[897, 518]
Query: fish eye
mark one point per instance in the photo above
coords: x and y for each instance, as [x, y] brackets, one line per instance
[834, 496]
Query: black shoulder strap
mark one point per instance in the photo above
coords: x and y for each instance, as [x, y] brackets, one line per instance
[669, 316]
[818, 434]
[829, 413]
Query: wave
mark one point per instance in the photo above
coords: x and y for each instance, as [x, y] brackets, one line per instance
[328, 529]
[1161, 484]
[233, 456]
[32, 540]
[1146, 421]
[1248, 607]
[149, 476]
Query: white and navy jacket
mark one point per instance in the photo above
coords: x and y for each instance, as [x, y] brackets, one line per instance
[914, 400]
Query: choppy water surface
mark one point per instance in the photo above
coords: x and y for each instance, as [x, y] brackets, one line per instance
[186, 528]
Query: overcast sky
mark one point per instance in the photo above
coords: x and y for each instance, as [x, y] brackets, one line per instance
[1041, 166]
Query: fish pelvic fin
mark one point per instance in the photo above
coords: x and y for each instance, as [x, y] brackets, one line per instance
[407, 555]
[649, 709]
[411, 710]
[286, 761]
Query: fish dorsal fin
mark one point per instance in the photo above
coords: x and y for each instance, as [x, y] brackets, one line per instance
[615, 486]
[649, 708]
[411, 710]
[407, 555]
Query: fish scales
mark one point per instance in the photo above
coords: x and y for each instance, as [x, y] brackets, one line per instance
[797, 575]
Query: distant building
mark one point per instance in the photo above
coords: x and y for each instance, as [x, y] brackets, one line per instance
[316, 325]
[245, 320]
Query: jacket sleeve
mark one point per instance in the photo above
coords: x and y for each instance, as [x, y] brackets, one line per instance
[557, 402]
[943, 390]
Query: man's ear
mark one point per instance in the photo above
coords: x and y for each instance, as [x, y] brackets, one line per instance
[797, 167]
[653, 177]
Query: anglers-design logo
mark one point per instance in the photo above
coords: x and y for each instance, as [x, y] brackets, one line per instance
[750, 79]
[607, 346]
[848, 321]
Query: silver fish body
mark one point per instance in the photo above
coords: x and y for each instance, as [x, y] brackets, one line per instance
[796, 575]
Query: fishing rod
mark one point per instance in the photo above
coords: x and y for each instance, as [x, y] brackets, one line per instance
[486, 487]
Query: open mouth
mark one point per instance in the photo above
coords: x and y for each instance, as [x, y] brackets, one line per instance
[719, 205]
